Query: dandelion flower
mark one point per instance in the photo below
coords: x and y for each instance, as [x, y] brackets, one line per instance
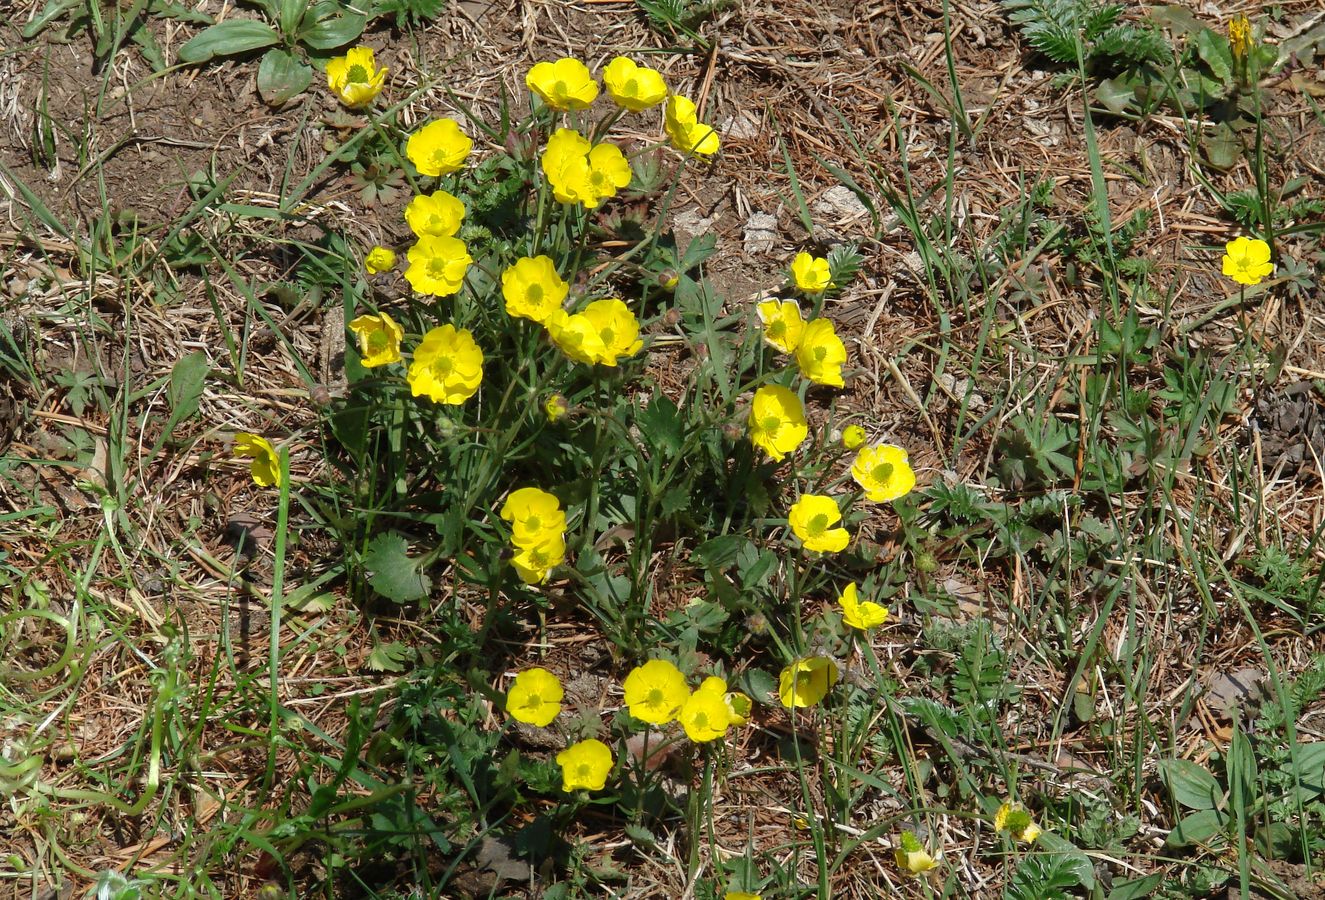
[810, 273]
[783, 325]
[563, 85]
[535, 697]
[439, 148]
[853, 437]
[1014, 819]
[1247, 260]
[355, 78]
[806, 681]
[266, 465]
[439, 214]
[777, 421]
[437, 265]
[533, 289]
[447, 366]
[812, 518]
[883, 472]
[686, 132]
[861, 614]
[821, 353]
[378, 260]
[912, 856]
[632, 86]
[534, 515]
[379, 339]
[584, 766]
[655, 692]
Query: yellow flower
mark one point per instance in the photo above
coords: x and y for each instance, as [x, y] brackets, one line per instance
[379, 340]
[739, 707]
[266, 465]
[439, 214]
[565, 84]
[1239, 38]
[783, 325]
[741, 895]
[862, 615]
[534, 697]
[565, 163]
[806, 681]
[555, 407]
[883, 473]
[534, 514]
[378, 260]
[1014, 819]
[575, 336]
[821, 353]
[777, 421]
[705, 716]
[438, 148]
[584, 766]
[355, 77]
[533, 563]
[684, 129]
[655, 692]
[853, 436]
[447, 366]
[810, 273]
[617, 328]
[812, 517]
[633, 87]
[1247, 260]
[533, 289]
[609, 171]
[912, 857]
[437, 265]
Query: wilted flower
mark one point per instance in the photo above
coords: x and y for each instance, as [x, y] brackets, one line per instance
[655, 692]
[617, 328]
[437, 265]
[810, 273]
[883, 473]
[1239, 38]
[266, 465]
[439, 214]
[555, 408]
[438, 148]
[564, 85]
[820, 353]
[860, 614]
[584, 766]
[379, 339]
[912, 856]
[378, 260]
[1247, 260]
[1014, 819]
[783, 324]
[355, 77]
[633, 87]
[533, 289]
[853, 436]
[535, 697]
[812, 518]
[534, 562]
[534, 515]
[447, 366]
[686, 132]
[806, 681]
[777, 421]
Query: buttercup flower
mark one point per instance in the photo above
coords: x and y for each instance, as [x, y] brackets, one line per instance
[438, 148]
[617, 328]
[705, 716]
[565, 162]
[810, 273]
[806, 681]
[783, 325]
[439, 214]
[533, 289]
[266, 465]
[633, 87]
[584, 766]
[741, 895]
[861, 614]
[447, 366]
[1247, 260]
[1014, 819]
[565, 84]
[437, 265]
[883, 473]
[576, 336]
[534, 697]
[555, 407]
[655, 692]
[534, 516]
[686, 132]
[535, 562]
[853, 436]
[378, 260]
[609, 171]
[1239, 38]
[777, 421]
[355, 77]
[739, 707]
[379, 339]
[821, 353]
[812, 518]
[912, 857]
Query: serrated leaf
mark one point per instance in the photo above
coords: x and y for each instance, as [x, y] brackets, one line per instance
[392, 572]
[228, 39]
[282, 76]
[1191, 785]
[660, 425]
[387, 657]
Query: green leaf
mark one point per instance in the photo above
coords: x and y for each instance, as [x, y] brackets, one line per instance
[1192, 786]
[52, 11]
[392, 572]
[186, 382]
[282, 76]
[1135, 888]
[1044, 877]
[720, 552]
[1074, 860]
[1215, 52]
[334, 32]
[1198, 828]
[228, 39]
[660, 426]
[1114, 95]
[388, 657]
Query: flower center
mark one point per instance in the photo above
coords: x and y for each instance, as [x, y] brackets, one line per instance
[819, 524]
[771, 424]
[701, 720]
[357, 75]
[534, 523]
[804, 681]
[883, 472]
[560, 89]
[534, 293]
[608, 336]
[443, 365]
[437, 267]
[655, 697]
[534, 701]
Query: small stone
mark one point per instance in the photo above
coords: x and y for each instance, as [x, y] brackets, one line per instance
[761, 233]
